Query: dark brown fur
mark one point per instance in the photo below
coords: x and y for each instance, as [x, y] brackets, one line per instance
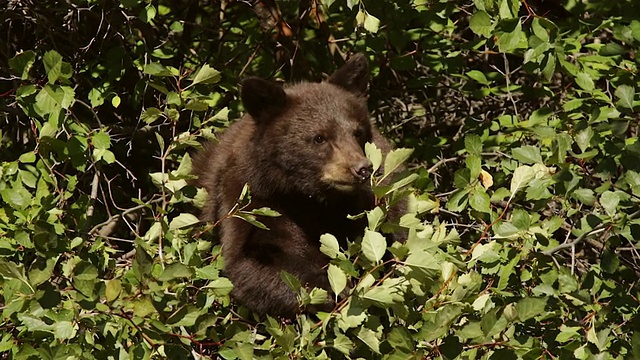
[276, 149]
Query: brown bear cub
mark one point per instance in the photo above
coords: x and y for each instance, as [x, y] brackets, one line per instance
[301, 150]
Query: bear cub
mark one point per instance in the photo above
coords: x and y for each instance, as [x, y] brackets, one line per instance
[300, 148]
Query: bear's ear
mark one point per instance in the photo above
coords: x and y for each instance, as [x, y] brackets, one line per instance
[353, 76]
[262, 98]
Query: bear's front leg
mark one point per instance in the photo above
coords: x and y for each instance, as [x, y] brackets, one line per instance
[260, 287]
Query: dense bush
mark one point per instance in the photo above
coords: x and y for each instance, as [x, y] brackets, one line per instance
[523, 186]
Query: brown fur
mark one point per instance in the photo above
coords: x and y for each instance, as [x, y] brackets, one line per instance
[276, 149]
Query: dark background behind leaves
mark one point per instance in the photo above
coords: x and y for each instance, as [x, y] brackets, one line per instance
[523, 222]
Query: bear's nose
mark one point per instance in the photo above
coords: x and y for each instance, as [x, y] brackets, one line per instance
[362, 170]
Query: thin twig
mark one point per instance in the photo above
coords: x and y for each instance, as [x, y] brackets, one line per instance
[442, 162]
[597, 230]
[116, 217]
[95, 184]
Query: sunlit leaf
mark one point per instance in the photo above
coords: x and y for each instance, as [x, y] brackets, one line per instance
[337, 279]
[374, 245]
[625, 95]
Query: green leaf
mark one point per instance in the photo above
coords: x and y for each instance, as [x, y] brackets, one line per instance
[506, 272]
[251, 219]
[521, 219]
[473, 144]
[601, 339]
[508, 9]
[64, 330]
[209, 272]
[292, 282]
[175, 271]
[508, 42]
[424, 263]
[148, 14]
[18, 198]
[327, 4]
[96, 97]
[539, 30]
[474, 164]
[479, 77]
[462, 178]
[104, 154]
[368, 337]
[22, 63]
[337, 279]
[183, 220]
[530, 307]
[157, 69]
[206, 75]
[352, 3]
[115, 101]
[391, 291]
[470, 331]
[371, 23]
[150, 115]
[521, 178]
[374, 245]
[318, 296]
[527, 154]
[610, 261]
[10, 270]
[101, 140]
[625, 95]
[584, 81]
[549, 65]
[187, 317]
[458, 200]
[113, 289]
[27, 158]
[48, 102]
[374, 218]
[329, 245]
[42, 271]
[399, 337]
[265, 211]
[172, 114]
[242, 351]
[185, 169]
[374, 155]
[26, 91]
[197, 105]
[583, 138]
[492, 325]
[221, 286]
[34, 324]
[52, 65]
[342, 344]
[395, 159]
[84, 270]
[379, 295]
[480, 23]
[568, 333]
[609, 201]
[402, 183]
[479, 200]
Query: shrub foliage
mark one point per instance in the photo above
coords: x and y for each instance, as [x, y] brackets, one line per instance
[523, 185]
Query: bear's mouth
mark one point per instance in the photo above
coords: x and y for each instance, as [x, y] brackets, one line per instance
[346, 186]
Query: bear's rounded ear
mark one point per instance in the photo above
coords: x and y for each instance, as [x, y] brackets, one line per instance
[353, 76]
[262, 98]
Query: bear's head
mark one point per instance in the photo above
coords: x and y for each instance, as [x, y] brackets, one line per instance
[310, 137]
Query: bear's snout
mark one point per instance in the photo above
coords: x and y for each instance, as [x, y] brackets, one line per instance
[362, 170]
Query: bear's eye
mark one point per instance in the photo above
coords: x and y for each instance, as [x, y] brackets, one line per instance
[359, 134]
[319, 139]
